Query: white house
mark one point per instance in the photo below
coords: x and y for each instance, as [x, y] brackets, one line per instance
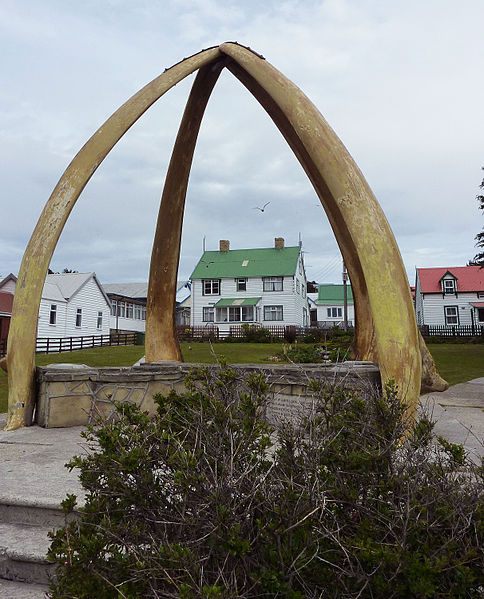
[128, 301]
[329, 305]
[128, 306]
[265, 286]
[450, 296]
[183, 303]
[72, 305]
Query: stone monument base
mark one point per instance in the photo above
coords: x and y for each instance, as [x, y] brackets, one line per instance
[75, 395]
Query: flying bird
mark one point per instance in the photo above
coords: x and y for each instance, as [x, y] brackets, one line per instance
[263, 207]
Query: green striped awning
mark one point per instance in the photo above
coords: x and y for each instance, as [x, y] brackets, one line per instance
[234, 301]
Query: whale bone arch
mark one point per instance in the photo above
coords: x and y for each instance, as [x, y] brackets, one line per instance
[386, 330]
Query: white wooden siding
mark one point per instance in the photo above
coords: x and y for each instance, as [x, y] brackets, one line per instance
[292, 302]
[44, 328]
[322, 312]
[127, 324]
[418, 302]
[433, 307]
[301, 299]
[91, 300]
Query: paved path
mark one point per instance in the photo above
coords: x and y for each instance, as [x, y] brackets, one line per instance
[32, 459]
[459, 414]
[32, 463]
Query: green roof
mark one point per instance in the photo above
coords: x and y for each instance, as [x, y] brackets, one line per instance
[333, 294]
[237, 301]
[261, 262]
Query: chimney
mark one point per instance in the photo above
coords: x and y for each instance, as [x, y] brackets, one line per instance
[224, 245]
[279, 243]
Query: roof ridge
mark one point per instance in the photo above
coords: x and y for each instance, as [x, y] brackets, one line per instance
[447, 267]
[286, 247]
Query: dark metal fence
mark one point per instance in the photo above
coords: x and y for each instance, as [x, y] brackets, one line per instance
[49, 345]
[470, 330]
[250, 332]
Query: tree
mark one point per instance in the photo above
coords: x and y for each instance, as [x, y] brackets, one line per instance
[312, 287]
[65, 271]
[479, 258]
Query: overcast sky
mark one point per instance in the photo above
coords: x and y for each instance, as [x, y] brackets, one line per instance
[400, 82]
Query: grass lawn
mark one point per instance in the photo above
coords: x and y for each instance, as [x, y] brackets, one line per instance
[456, 362]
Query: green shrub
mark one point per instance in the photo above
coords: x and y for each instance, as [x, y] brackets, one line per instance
[205, 500]
[317, 353]
[255, 334]
[308, 354]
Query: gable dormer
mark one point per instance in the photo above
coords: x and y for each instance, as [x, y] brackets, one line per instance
[448, 284]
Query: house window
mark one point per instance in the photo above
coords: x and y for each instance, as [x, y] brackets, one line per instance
[297, 286]
[449, 285]
[221, 315]
[78, 317]
[480, 294]
[247, 313]
[129, 310]
[211, 287]
[451, 314]
[272, 284]
[137, 312]
[241, 284]
[335, 312]
[99, 320]
[53, 314]
[208, 314]
[122, 309]
[235, 314]
[273, 313]
[114, 307]
[480, 315]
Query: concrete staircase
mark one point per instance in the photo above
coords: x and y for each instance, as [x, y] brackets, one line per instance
[24, 526]
[33, 482]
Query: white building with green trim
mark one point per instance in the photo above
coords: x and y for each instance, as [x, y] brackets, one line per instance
[263, 286]
[330, 305]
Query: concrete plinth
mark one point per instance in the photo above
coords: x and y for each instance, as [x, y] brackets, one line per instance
[79, 396]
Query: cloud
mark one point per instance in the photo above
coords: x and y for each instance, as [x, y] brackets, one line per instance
[399, 82]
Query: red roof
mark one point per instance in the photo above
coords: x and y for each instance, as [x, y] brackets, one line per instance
[469, 278]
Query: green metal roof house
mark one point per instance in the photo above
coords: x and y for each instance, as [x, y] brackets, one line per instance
[265, 286]
[329, 305]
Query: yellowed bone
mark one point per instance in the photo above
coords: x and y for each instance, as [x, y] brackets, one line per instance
[386, 331]
[161, 341]
[37, 256]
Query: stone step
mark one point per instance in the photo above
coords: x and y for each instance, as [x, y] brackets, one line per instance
[23, 551]
[21, 511]
[22, 590]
